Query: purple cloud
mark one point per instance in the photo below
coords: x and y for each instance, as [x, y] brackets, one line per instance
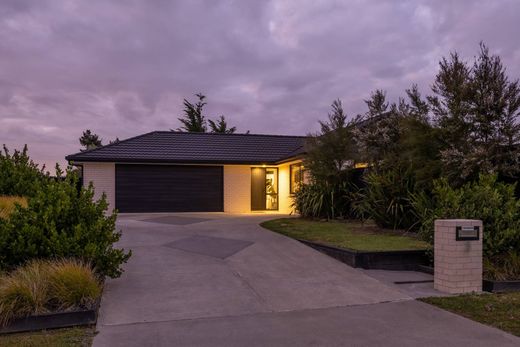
[122, 68]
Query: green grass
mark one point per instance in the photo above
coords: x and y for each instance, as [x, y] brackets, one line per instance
[499, 310]
[352, 235]
[72, 337]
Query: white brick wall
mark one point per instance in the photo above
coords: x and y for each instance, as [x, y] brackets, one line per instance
[102, 176]
[237, 188]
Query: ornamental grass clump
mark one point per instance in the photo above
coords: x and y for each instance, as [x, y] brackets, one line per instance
[43, 286]
[24, 291]
[72, 284]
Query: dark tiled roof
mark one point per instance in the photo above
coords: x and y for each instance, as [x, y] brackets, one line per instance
[183, 147]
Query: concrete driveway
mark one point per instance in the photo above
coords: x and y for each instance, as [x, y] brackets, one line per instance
[222, 280]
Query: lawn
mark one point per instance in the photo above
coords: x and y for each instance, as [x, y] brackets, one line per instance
[73, 337]
[346, 234]
[499, 310]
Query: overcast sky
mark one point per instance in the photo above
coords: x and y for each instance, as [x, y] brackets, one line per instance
[122, 68]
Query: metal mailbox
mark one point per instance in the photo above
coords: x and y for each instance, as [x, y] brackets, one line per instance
[467, 233]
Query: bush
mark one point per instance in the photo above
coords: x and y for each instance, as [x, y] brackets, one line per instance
[19, 175]
[325, 200]
[487, 199]
[73, 284]
[59, 222]
[8, 205]
[503, 268]
[47, 286]
[386, 198]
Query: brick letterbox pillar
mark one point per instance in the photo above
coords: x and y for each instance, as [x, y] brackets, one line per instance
[458, 255]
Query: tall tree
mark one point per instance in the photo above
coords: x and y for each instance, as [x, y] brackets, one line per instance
[221, 126]
[193, 120]
[89, 140]
[332, 151]
[477, 108]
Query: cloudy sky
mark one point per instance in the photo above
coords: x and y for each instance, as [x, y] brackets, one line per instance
[122, 68]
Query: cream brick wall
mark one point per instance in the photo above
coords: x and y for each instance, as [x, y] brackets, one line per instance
[102, 176]
[284, 195]
[237, 188]
[457, 264]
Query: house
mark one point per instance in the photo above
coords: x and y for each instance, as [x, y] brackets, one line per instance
[168, 171]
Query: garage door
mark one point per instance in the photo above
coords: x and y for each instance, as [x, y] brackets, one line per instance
[167, 188]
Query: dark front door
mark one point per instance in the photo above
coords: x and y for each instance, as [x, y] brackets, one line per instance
[169, 188]
[264, 188]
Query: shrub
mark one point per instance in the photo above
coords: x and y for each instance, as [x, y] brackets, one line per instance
[487, 199]
[386, 198]
[73, 284]
[325, 200]
[46, 286]
[24, 292]
[62, 222]
[503, 268]
[8, 205]
[19, 175]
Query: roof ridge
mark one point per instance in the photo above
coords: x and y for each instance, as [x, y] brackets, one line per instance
[223, 134]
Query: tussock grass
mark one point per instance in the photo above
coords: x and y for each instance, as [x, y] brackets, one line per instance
[73, 284]
[8, 203]
[47, 286]
[24, 291]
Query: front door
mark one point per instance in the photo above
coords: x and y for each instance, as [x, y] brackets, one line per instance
[264, 188]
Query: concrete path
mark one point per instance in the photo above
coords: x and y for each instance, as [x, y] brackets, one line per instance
[221, 280]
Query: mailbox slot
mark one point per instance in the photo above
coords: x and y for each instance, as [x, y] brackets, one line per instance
[467, 233]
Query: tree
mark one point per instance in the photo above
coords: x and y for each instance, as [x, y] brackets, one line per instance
[193, 120]
[221, 126]
[477, 109]
[89, 140]
[332, 151]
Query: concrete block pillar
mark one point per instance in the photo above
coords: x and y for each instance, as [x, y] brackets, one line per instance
[458, 255]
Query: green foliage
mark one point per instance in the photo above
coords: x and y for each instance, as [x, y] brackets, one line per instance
[8, 205]
[386, 198]
[193, 120]
[46, 286]
[331, 152]
[487, 199]
[89, 140]
[325, 201]
[505, 267]
[476, 109]
[61, 221]
[19, 175]
[221, 126]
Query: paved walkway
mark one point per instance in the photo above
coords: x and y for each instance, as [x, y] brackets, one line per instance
[221, 280]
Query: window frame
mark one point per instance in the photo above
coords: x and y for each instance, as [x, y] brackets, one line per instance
[292, 167]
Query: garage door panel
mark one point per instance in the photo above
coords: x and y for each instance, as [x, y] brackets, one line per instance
[167, 188]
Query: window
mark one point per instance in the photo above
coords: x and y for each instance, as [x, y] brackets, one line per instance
[296, 172]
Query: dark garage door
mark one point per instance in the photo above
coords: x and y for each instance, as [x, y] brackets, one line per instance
[167, 188]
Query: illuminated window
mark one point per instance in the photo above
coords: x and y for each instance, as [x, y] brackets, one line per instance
[296, 172]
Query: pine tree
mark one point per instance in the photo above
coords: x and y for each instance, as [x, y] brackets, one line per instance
[193, 120]
[89, 140]
[221, 126]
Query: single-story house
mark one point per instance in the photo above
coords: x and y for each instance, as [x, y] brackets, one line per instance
[168, 171]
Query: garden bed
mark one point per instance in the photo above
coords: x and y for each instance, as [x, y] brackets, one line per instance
[491, 286]
[51, 321]
[406, 260]
[356, 244]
